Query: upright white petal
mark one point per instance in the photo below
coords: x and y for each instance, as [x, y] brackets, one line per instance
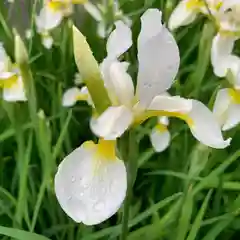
[160, 138]
[158, 57]
[93, 11]
[112, 123]
[118, 82]
[89, 185]
[221, 105]
[222, 47]
[171, 104]
[48, 19]
[181, 15]
[101, 30]
[233, 64]
[16, 92]
[233, 117]
[205, 127]
[70, 97]
[119, 41]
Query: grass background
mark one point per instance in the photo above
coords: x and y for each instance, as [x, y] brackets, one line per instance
[187, 192]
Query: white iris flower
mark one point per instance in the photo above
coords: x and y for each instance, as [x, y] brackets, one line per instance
[10, 79]
[227, 104]
[51, 16]
[91, 182]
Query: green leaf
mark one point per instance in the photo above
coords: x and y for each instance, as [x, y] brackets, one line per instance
[20, 234]
[198, 220]
[89, 70]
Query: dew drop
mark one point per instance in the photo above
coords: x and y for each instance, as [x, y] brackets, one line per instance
[73, 179]
[99, 206]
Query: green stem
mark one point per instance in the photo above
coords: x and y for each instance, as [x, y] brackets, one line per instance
[131, 177]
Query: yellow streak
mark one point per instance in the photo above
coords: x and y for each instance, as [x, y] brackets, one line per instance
[8, 82]
[161, 127]
[106, 149]
[155, 113]
[193, 4]
[235, 95]
[82, 97]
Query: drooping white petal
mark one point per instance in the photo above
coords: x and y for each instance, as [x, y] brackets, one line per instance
[158, 57]
[221, 105]
[160, 139]
[112, 123]
[181, 16]
[70, 97]
[16, 92]
[119, 41]
[48, 19]
[233, 117]
[205, 127]
[47, 41]
[118, 82]
[93, 11]
[171, 104]
[89, 186]
[222, 47]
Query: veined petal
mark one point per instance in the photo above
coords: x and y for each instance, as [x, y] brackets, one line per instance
[181, 15]
[160, 138]
[221, 105]
[118, 82]
[119, 41]
[222, 47]
[233, 117]
[91, 183]
[48, 19]
[112, 123]
[171, 104]
[15, 92]
[158, 57]
[205, 127]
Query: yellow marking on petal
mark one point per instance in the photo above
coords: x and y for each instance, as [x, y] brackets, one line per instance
[161, 127]
[106, 149]
[57, 5]
[218, 5]
[194, 4]
[235, 95]
[88, 144]
[8, 82]
[156, 113]
[81, 97]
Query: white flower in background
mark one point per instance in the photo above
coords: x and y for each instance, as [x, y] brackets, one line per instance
[28, 34]
[91, 182]
[99, 12]
[227, 104]
[10, 79]
[74, 94]
[187, 11]
[78, 79]
[228, 21]
[160, 136]
[155, 77]
[51, 16]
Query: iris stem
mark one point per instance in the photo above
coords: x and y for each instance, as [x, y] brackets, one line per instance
[131, 177]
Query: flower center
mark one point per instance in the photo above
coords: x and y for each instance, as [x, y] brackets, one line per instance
[57, 5]
[235, 95]
[156, 113]
[194, 4]
[161, 127]
[106, 149]
[8, 82]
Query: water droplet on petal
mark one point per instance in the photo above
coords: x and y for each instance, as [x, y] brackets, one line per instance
[99, 206]
[73, 179]
[69, 198]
